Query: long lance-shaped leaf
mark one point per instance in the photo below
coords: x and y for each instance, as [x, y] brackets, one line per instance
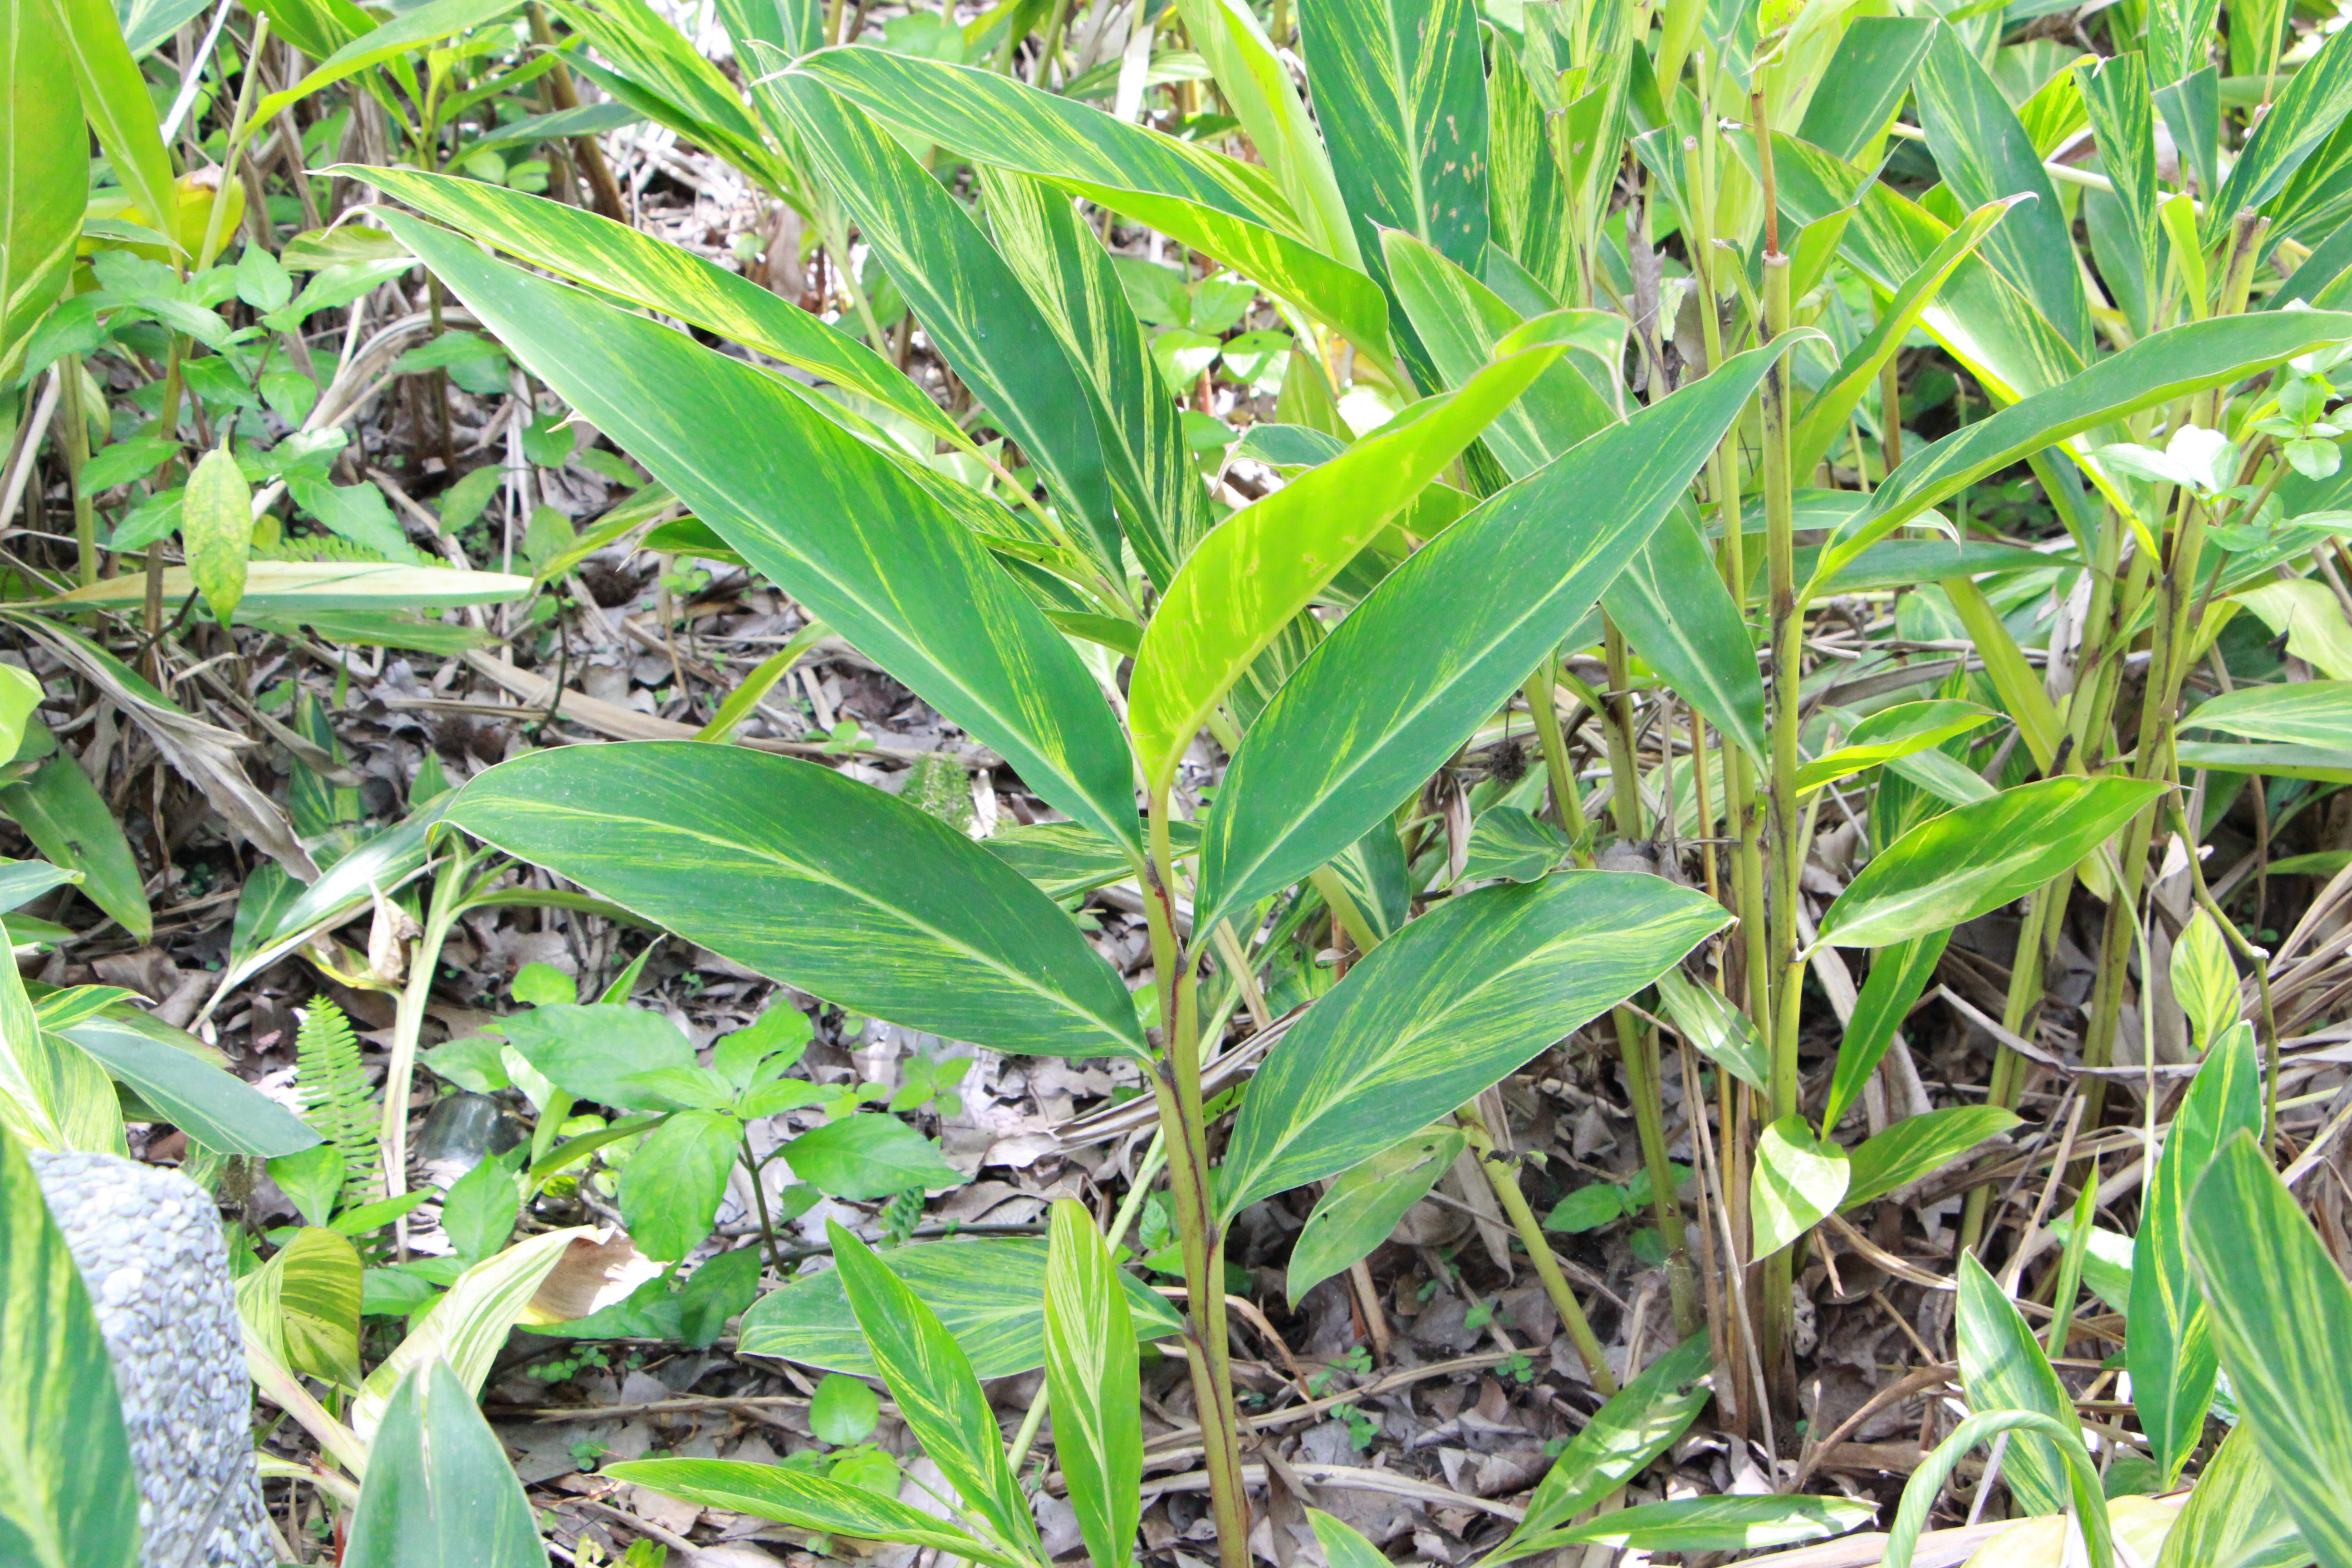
[2002, 1368]
[811, 1502]
[631, 265]
[2233, 1519]
[2123, 118]
[1447, 638]
[2179, 37]
[1266, 562]
[2169, 364]
[1825, 415]
[969, 300]
[2282, 1315]
[938, 1398]
[1259, 89]
[1091, 1376]
[1163, 508]
[2313, 104]
[44, 177]
[801, 873]
[1670, 600]
[1443, 1010]
[1217, 205]
[1986, 156]
[1400, 92]
[439, 1491]
[410, 30]
[114, 99]
[2170, 1349]
[842, 529]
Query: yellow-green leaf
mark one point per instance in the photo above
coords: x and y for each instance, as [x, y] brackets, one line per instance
[216, 526]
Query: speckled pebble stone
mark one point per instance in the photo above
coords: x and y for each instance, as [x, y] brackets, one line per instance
[148, 1242]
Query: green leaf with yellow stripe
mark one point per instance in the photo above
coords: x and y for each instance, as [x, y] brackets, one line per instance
[809, 1502]
[814, 879]
[1445, 1009]
[1093, 1382]
[842, 529]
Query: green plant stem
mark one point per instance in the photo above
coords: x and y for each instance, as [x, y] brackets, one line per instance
[1176, 1086]
[1499, 1175]
[1624, 770]
[441, 914]
[74, 445]
[2017, 1008]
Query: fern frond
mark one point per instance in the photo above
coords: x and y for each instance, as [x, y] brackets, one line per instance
[336, 1100]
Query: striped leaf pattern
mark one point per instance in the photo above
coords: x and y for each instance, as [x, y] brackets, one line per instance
[1266, 562]
[2282, 1315]
[968, 298]
[114, 100]
[1216, 205]
[440, 1492]
[1092, 1382]
[843, 531]
[43, 183]
[807, 875]
[2002, 1368]
[938, 1398]
[2234, 1519]
[72, 1498]
[2170, 1350]
[1257, 85]
[810, 1502]
[1623, 1435]
[1446, 638]
[1446, 1007]
[1163, 508]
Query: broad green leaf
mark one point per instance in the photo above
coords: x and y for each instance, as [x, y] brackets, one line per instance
[1864, 84]
[2306, 712]
[1826, 414]
[1445, 641]
[1266, 562]
[843, 1410]
[304, 1305]
[20, 694]
[990, 1294]
[52, 1095]
[72, 1498]
[1671, 605]
[1232, 211]
[1721, 1524]
[2020, 690]
[468, 1325]
[209, 1103]
[1986, 157]
[1918, 1146]
[2062, 1436]
[1257, 86]
[2281, 1315]
[939, 1397]
[866, 1156]
[1065, 860]
[969, 299]
[651, 65]
[591, 1053]
[1975, 859]
[671, 1186]
[2002, 1368]
[1716, 1029]
[2234, 1517]
[409, 30]
[1799, 1180]
[842, 529]
[217, 526]
[2169, 364]
[634, 266]
[440, 1491]
[1891, 733]
[1343, 1546]
[795, 871]
[808, 1502]
[1400, 92]
[1637, 1425]
[2306, 612]
[2171, 1350]
[2204, 980]
[44, 172]
[114, 99]
[22, 882]
[2179, 37]
[2309, 109]
[1446, 1007]
[1163, 508]
[1092, 1383]
[1509, 842]
[1364, 1204]
[1524, 185]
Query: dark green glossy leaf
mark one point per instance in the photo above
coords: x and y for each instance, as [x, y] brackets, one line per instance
[671, 1186]
[210, 1104]
[868, 1155]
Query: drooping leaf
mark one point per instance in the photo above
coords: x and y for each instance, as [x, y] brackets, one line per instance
[114, 99]
[1445, 1008]
[842, 529]
[1919, 1146]
[1446, 638]
[796, 871]
[440, 1491]
[1716, 1029]
[2002, 1368]
[1091, 1380]
[1889, 734]
[2234, 1517]
[1264, 564]
[1974, 858]
[2171, 1350]
[1721, 1524]
[2281, 1312]
[304, 1305]
[1257, 85]
[72, 1498]
[1364, 1205]
[73, 826]
[1900, 972]
[209, 1103]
